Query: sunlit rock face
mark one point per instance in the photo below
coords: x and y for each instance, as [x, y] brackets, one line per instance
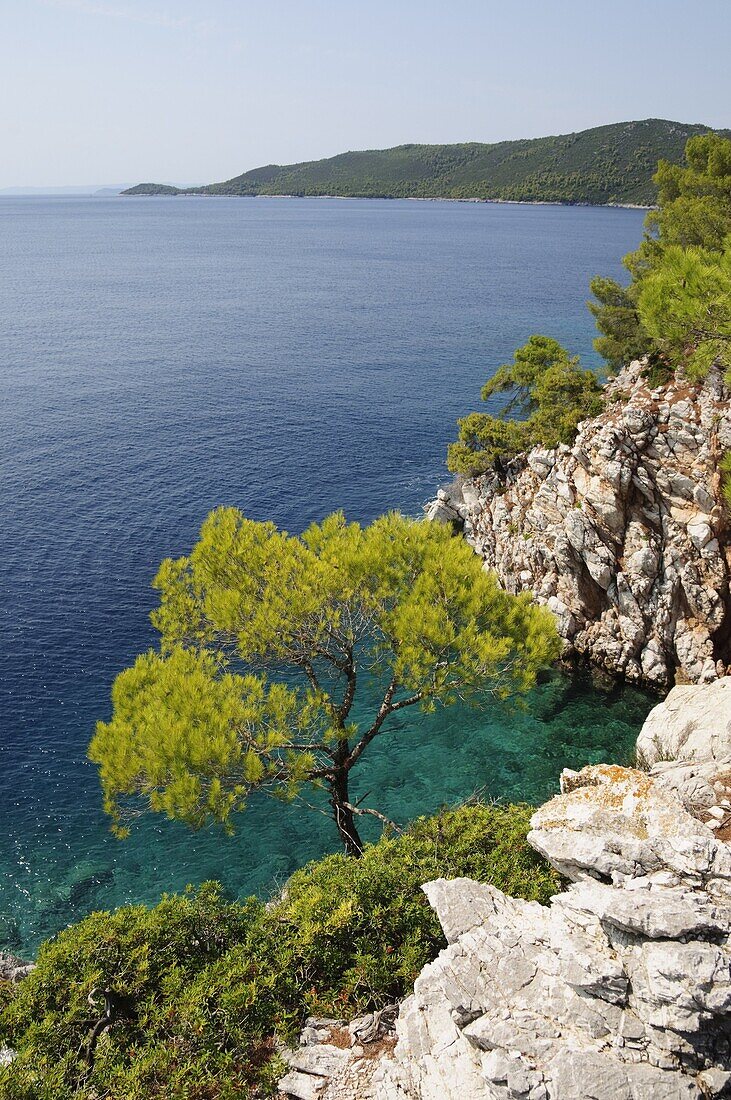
[686, 741]
[622, 535]
[619, 990]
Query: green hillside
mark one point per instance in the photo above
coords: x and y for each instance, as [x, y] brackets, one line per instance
[608, 164]
[152, 189]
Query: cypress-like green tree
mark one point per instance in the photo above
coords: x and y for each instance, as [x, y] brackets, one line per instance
[266, 641]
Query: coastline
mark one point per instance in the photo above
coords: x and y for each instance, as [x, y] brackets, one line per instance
[394, 198]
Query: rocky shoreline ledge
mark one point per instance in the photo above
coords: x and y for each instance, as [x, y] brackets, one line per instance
[619, 990]
[623, 534]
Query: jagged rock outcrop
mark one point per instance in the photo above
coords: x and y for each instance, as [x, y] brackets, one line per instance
[13, 969]
[620, 989]
[338, 1061]
[622, 535]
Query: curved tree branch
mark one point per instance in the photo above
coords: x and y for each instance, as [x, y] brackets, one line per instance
[361, 810]
[387, 707]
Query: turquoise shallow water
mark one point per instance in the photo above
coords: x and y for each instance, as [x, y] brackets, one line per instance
[162, 357]
[419, 765]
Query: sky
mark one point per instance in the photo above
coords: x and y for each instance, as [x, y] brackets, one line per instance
[187, 91]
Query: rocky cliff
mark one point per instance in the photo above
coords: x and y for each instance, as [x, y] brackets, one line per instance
[624, 534]
[619, 990]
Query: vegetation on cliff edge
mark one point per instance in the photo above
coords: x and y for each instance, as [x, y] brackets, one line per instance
[677, 306]
[202, 986]
[676, 312]
[550, 393]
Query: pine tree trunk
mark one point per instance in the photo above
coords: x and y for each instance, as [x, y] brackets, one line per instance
[343, 815]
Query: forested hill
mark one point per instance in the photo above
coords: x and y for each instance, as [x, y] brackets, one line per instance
[607, 164]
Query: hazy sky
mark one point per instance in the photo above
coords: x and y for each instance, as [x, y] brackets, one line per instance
[186, 91]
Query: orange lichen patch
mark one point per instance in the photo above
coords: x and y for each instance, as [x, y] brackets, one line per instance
[614, 773]
[607, 785]
[604, 787]
[340, 1037]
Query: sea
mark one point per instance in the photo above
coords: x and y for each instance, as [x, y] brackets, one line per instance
[160, 357]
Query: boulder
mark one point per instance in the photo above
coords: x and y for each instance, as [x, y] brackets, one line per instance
[620, 988]
[13, 969]
[335, 1061]
[690, 726]
[686, 742]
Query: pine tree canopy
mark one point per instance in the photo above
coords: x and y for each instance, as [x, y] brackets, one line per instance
[265, 640]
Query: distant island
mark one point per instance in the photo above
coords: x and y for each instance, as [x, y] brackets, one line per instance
[605, 165]
[93, 190]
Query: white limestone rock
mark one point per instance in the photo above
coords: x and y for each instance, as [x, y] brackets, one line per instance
[13, 969]
[690, 725]
[686, 742]
[338, 1062]
[620, 988]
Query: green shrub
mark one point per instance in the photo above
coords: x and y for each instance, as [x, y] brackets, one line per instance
[551, 392]
[209, 983]
[484, 441]
[677, 299]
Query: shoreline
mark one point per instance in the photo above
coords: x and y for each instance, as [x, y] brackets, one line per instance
[396, 198]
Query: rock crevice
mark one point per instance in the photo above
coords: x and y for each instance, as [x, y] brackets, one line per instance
[620, 989]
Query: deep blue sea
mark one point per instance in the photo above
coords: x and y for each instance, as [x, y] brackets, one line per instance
[160, 357]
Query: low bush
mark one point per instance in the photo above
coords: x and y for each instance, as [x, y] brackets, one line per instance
[205, 986]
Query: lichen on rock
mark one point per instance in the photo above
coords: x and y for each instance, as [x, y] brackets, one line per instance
[621, 988]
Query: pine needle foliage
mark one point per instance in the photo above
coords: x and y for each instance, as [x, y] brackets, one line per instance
[546, 388]
[675, 309]
[685, 307]
[266, 639]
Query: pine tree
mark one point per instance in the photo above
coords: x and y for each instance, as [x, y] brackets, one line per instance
[266, 641]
